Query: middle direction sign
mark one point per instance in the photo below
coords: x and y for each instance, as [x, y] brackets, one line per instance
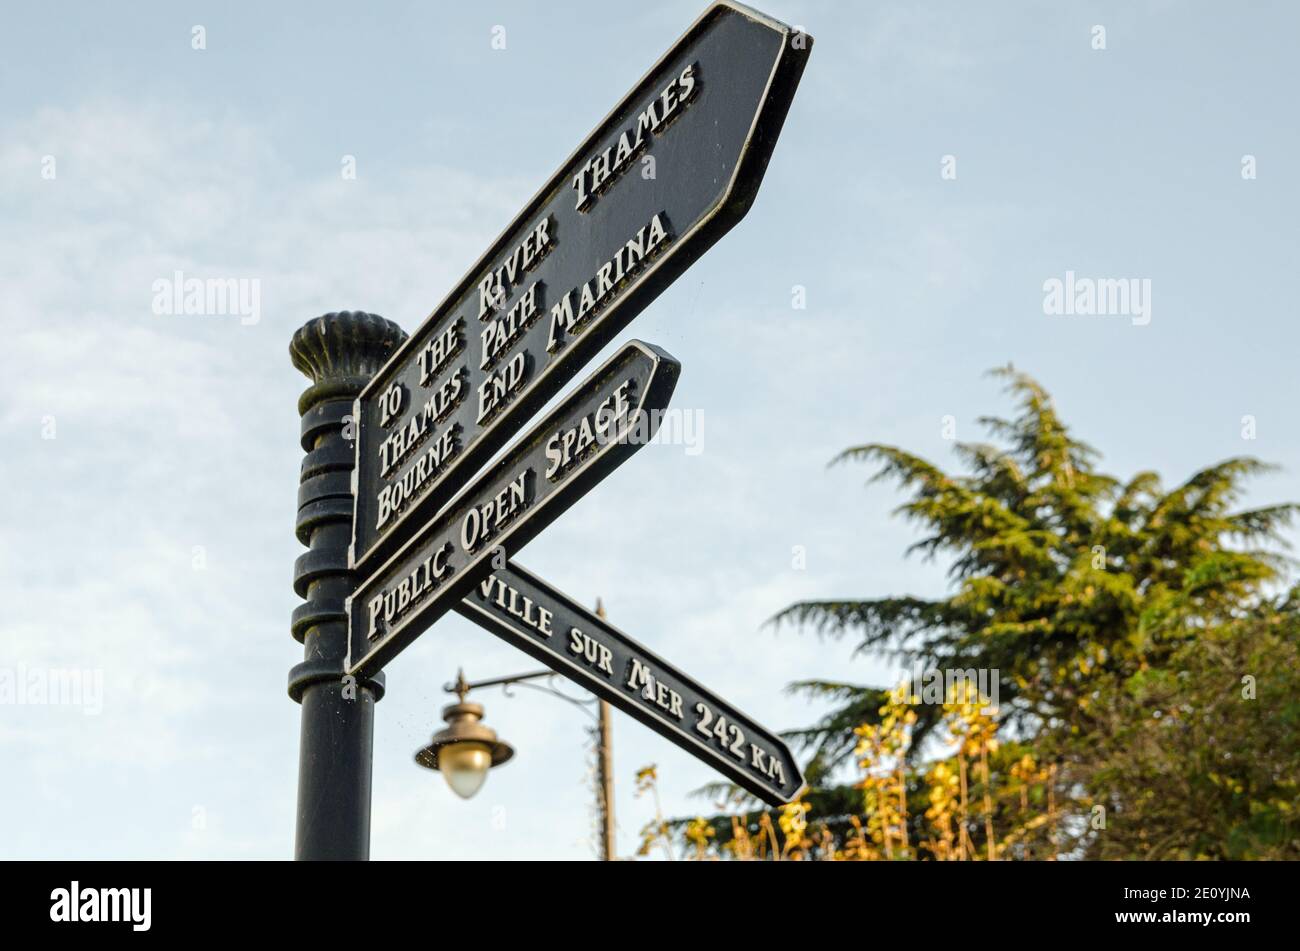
[670, 171]
[589, 434]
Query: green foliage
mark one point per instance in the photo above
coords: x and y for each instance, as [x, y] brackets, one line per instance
[1121, 615]
[1061, 573]
[1200, 759]
[831, 739]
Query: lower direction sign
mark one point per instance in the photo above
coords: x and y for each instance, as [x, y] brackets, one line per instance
[596, 428]
[530, 614]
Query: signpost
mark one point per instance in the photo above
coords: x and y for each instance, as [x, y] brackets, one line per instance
[673, 167]
[527, 612]
[597, 427]
[670, 170]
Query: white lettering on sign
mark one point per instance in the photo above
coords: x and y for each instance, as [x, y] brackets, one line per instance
[428, 464]
[437, 353]
[605, 166]
[730, 737]
[631, 258]
[394, 449]
[494, 392]
[568, 446]
[390, 605]
[500, 332]
[587, 648]
[516, 604]
[390, 404]
[641, 679]
[493, 290]
[484, 521]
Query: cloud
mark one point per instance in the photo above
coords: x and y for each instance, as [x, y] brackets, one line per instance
[152, 460]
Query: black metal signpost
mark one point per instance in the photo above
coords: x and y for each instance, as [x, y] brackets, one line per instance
[524, 610]
[673, 167]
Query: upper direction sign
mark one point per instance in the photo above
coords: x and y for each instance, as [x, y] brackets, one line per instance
[672, 169]
[527, 612]
[592, 431]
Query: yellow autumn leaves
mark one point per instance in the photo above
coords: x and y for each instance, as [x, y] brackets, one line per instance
[965, 798]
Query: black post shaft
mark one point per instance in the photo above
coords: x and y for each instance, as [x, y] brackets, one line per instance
[340, 353]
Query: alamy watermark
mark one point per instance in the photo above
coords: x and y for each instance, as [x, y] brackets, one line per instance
[1098, 297]
[53, 686]
[655, 427]
[935, 685]
[209, 297]
[130, 905]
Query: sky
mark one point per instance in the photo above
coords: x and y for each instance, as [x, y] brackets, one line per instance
[941, 165]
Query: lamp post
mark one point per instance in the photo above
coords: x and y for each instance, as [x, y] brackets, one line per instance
[465, 749]
[339, 353]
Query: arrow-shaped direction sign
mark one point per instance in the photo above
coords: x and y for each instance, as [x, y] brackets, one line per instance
[596, 427]
[672, 169]
[550, 626]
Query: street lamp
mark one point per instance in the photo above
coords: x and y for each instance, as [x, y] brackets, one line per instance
[466, 749]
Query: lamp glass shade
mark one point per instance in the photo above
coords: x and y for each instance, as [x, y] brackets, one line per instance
[465, 765]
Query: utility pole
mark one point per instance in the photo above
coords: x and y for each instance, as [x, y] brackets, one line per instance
[605, 773]
[339, 352]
